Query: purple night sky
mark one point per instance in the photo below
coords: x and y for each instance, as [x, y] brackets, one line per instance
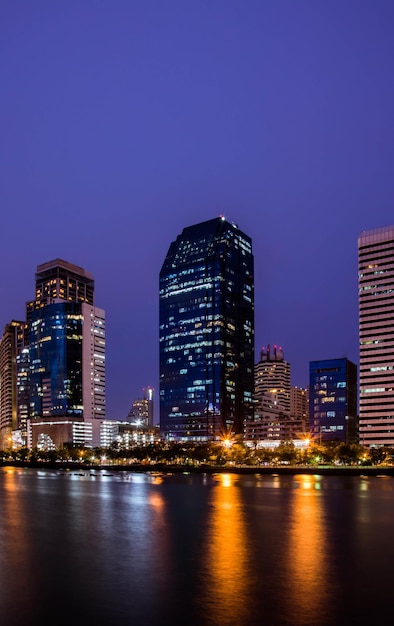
[124, 121]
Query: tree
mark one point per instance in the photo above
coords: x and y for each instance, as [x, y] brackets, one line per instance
[287, 451]
[348, 454]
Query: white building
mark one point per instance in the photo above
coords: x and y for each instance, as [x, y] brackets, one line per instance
[376, 327]
[272, 376]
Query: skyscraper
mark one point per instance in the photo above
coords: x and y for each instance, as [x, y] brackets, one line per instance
[376, 314]
[13, 383]
[67, 355]
[333, 400]
[207, 332]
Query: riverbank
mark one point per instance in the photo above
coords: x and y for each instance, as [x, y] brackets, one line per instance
[338, 470]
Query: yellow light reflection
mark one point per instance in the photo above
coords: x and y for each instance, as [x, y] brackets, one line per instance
[11, 471]
[226, 560]
[18, 549]
[156, 501]
[227, 480]
[156, 480]
[308, 552]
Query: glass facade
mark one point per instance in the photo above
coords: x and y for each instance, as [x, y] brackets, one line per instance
[333, 400]
[23, 391]
[66, 355]
[207, 332]
[56, 361]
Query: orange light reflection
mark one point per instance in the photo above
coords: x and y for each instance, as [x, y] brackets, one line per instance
[308, 557]
[226, 561]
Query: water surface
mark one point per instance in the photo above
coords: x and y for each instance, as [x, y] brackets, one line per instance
[145, 549]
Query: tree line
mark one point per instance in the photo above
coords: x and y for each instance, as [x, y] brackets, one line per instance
[214, 453]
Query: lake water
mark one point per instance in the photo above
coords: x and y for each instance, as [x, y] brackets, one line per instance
[140, 549]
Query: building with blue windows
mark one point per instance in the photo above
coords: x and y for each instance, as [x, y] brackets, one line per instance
[67, 356]
[207, 332]
[333, 400]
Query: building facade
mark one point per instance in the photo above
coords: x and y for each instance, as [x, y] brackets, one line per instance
[141, 411]
[376, 338]
[333, 400]
[272, 375]
[13, 384]
[273, 419]
[207, 332]
[67, 356]
[270, 422]
[299, 407]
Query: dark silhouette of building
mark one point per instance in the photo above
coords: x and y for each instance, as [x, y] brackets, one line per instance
[333, 400]
[207, 332]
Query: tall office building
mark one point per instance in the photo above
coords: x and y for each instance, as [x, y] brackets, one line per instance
[13, 383]
[207, 332]
[376, 328]
[21, 437]
[333, 400]
[67, 356]
[272, 376]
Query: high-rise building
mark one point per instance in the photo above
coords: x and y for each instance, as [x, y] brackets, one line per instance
[272, 412]
[67, 355]
[376, 328]
[299, 407]
[333, 400]
[207, 332]
[272, 376]
[13, 383]
[21, 437]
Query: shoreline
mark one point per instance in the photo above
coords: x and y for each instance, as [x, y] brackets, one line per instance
[325, 470]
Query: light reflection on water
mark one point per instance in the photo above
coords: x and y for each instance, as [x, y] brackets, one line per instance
[307, 547]
[17, 571]
[226, 558]
[135, 549]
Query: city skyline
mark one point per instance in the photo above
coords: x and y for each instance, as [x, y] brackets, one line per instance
[123, 126]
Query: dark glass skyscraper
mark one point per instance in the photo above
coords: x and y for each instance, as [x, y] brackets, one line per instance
[207, 332]
[333, 400]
